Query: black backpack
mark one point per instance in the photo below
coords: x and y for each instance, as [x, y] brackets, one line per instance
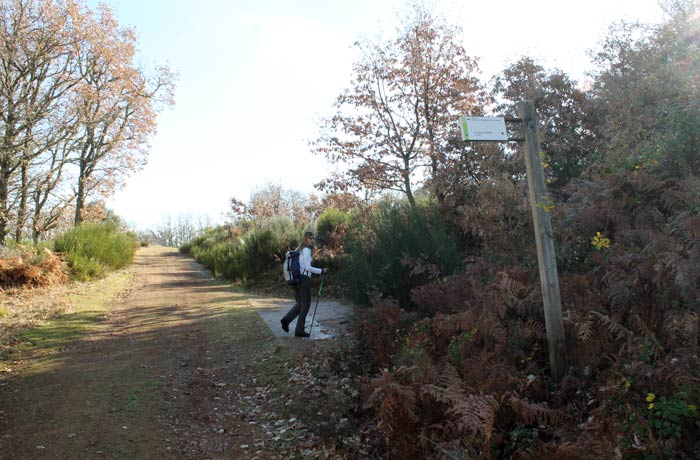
[291, 267]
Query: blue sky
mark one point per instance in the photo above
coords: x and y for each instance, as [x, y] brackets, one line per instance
[255, 77]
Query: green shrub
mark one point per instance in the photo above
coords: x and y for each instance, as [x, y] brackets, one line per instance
[186, 248]
[259, 250]
[286, 234]
[330, 227]
[253, 252]
[93, 249]
[392, 249]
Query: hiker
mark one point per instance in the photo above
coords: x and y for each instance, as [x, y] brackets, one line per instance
[302, 290]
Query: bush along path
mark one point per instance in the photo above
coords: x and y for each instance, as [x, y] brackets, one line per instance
[177, 365]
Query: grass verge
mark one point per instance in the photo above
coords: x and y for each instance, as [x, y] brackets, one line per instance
[43, 322]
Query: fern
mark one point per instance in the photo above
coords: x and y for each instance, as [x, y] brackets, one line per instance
[615, 328]
[620, 295]
[530, 413]
[646, 218]
[584, 330]
[681, 327]
[532, 330]
[643, 329]
[465, 414]
[515, 285]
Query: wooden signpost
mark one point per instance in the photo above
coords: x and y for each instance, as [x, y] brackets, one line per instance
[546, 259]
[492, 129]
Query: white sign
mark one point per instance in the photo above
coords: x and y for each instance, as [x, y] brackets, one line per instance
[483, 128]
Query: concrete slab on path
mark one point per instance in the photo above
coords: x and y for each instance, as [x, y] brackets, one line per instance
[331, 317]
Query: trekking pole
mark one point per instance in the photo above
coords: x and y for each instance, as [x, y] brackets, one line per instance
[317, 299]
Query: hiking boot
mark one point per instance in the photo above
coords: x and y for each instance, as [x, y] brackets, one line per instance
[302, 334]
[285, 325]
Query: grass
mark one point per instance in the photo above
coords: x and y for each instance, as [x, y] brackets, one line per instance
[140, 392]
[59, 332]
[43, 325]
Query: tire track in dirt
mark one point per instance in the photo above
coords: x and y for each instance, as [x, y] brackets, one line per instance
[169, 373]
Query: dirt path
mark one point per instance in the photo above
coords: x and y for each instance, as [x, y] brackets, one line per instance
[182, 367]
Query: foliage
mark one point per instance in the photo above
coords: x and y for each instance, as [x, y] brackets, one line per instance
[91, 249]
[116, 105]
[396, 116]
[273, 200]
[456, 365]
[77, 111]
[563, 112]
[245, 255]
[646, 92]
[474, 378]
[390, 248]
[331, 227]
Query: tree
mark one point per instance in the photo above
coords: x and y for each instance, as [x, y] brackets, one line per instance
[647, 93]
[70, 95]
[37, 64]
[562, 110]
[392, 125]
[176, 232]
[46, 193]
[273, 200]
[117, 104]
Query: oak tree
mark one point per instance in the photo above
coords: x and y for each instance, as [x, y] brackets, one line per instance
[393, 123]
[73, 106]
[38, 46]
[116, 107]
[272, 200]
[563, 111]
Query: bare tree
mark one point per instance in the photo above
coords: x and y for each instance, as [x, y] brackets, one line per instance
[176, 232]
[273, 200]
[48, 203]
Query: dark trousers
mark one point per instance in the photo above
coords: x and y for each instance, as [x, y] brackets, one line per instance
[302, 296]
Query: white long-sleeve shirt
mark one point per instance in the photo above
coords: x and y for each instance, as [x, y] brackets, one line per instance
[305, 263]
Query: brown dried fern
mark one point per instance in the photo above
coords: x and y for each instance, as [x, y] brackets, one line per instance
[616, 329]
[530, 413]
[466, 415]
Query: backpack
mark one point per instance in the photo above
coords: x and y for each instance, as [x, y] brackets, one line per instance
[291, 267]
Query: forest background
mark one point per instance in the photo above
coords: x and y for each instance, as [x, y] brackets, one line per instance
[433, 235]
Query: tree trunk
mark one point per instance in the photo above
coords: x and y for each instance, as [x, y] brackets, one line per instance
[4, 196]
[22, 209]
[407, 185]
[6, 169]
[80, 196]
[36, 217]
[5, 178]
[36, 232]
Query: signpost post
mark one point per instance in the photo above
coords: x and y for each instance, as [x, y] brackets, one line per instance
[494, 129]
[546, 259]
